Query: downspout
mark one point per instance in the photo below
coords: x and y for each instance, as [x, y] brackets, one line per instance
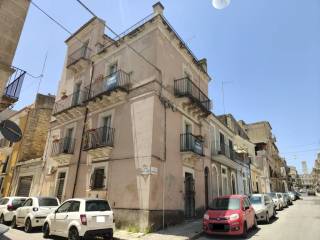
[83, 131]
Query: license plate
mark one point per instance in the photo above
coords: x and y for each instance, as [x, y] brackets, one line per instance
[100, 219]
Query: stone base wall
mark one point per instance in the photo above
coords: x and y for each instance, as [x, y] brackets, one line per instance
[147, 220]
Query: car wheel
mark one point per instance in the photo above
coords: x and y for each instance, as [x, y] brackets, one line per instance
[73, 234]
[2, 219]
[267, 218]
[46, 230]
[255, 225]
[14, 222]
[28, 226]
[245, 230]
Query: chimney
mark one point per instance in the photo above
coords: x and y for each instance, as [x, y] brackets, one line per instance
[158, 8]
[203, 63]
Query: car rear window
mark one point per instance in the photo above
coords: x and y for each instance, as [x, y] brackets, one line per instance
[273, 195]
[97, 205]
[255, 199]
[4, 201]
[225, 204]
[18, 202]
[48, 202]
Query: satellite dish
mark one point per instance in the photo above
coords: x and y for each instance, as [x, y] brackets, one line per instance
[220, 4]
[10, 131]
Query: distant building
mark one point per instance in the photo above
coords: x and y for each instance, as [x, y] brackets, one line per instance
[20, 163]
[316, 173]
[273, 176]
[304, 167]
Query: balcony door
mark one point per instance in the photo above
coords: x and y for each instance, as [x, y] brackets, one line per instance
[188, 132]
[222, 144]
[76, 94]
[68, 140]
[106, 128]
[112, 79]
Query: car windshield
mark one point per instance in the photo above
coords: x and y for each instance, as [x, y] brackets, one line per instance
[225, 204]
[255, 199]
[279, 195]
[48, 202]
[273, 195]
[97, 205]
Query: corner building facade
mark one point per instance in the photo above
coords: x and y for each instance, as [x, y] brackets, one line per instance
[130, 124]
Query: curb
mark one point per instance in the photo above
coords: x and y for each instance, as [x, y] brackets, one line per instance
[196, 236]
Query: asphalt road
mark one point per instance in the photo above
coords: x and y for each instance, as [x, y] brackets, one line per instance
[298, 222]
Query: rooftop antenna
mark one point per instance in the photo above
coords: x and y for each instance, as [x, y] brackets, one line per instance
[220, 4]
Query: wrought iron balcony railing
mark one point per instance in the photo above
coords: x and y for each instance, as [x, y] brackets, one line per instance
[82, 53]
[63, 146]
[184, 87]
[191, 143]
[100, 137]
[14, 85]
[224, 149]
[119, 80]
[73, 100]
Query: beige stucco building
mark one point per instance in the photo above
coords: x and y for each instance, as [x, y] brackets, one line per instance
[12, 18]
[132, 123]
[274, 170]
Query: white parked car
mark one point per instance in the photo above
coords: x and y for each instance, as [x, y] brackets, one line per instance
[78, 217]
[263, 207]
[8, 206]
[282, 199]
[33, 212]
[276, 200]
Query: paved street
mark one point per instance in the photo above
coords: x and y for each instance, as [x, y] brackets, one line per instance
[299, 222]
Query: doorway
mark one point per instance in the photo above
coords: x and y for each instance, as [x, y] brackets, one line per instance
[206, 187]
[189, 206]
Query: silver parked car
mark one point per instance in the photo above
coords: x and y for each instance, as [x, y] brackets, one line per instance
[276, 200]
[263, 206]
[282, 199]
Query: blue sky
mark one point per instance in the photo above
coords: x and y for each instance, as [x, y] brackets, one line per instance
[266, 51]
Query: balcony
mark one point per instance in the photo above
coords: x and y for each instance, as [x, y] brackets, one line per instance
[79, 59]
[191, 144]
[5, 146]
[99, 142]
[12, 91]
[70, 107]
[108, 90]
[199, 104]
[62, 150]
[242, 157]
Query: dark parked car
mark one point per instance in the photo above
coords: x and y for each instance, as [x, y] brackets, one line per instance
[311, 192]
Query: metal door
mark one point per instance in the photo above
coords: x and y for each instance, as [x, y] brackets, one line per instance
[24, 186]
[189, 196]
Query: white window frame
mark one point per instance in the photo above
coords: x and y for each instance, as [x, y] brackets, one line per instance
[224, 175]
[66, 170]
[214, 166]
[235, 179]
[105, 114]
[104, 165]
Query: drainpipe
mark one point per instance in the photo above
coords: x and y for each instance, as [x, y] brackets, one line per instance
[83, 130]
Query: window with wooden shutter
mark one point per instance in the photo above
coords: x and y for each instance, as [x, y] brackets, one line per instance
[97, 178]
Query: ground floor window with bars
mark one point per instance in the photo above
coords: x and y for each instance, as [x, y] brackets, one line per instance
[97, 178]
[60, 185]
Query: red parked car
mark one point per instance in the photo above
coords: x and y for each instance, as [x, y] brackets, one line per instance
[229, 215]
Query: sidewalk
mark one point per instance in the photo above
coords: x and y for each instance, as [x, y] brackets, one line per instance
[184, 231]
